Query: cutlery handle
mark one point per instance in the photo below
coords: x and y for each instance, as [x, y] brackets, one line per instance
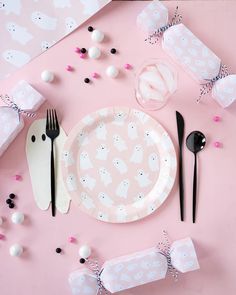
[181, 187]
[194, 188]
[52, 181]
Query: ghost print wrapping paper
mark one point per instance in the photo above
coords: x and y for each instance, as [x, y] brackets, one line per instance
[29, 28]
[189, 51]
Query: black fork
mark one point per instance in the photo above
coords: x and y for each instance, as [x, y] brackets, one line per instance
[52, 131]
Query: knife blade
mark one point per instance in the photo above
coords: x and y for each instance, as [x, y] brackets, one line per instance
[180, 130]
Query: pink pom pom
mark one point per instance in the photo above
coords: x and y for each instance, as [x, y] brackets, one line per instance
[69, 68]
[77, 50]
[95, 75]
[2, 237]
[17, 177]
[128, 66]
[217, 144]
[216, 118]
[72, 239]
[82, 55]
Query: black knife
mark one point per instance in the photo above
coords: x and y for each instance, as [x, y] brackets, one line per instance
[180, 129]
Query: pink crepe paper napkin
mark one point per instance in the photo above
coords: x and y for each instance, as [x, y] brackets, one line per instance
[136, 269]
[26, 99]
[190, 52]
[28, 28]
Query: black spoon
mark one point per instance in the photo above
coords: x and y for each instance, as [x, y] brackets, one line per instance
[195, 142]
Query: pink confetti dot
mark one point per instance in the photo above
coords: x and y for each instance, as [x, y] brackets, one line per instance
[72, 239]
[82, 55]
[2, 237]
[216, 118]
[69, 68]
[217, 144]
[128, 67]
[77, 50]
[95, 75]
[17, 177]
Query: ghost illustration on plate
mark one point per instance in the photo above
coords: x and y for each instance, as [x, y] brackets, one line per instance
[85, 162]
[132, 131]
[101, 131]
[121, 213]
[120, 165]
[122, 189]
[102, 152]
[143, 178]
[67, 158]
[105, 200]
[119, 143]
[102, 216]
[88, 182]
[153, 162]
[137, 155]
[87, 201]
[105, 176]
[82, 138]
[119, 118]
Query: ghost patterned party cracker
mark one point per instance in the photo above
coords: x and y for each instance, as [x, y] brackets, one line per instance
[135, 269]
[23, 100]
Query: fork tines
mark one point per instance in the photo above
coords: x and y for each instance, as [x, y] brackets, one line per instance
[52, 121]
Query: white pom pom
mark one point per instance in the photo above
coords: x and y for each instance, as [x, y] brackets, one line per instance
[1, 221]
[112, 72]
[84, 251]
[47, 76]
[94, 52]
[17, 217]
[97, 36]
[16, 250]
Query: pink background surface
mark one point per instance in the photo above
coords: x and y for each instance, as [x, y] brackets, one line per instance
[40, 270]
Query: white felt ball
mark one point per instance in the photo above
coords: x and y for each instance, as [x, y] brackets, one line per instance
[84, 251]
[16, 250]
[47, 76]
[17, 217]
[97, 36]
[94, 52]
[112, 72]
[1, 221]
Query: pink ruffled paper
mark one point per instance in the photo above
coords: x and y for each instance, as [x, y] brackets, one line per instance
[136, 269]
[11, 122]
[190, 52]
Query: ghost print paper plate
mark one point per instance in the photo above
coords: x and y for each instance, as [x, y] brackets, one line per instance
[118, 164]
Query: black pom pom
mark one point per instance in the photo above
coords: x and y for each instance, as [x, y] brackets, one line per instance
[90, 28]
[82, 260]
[113, 51]
[12, 196]
[83, 50]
